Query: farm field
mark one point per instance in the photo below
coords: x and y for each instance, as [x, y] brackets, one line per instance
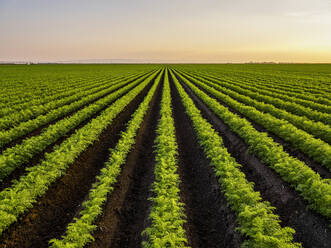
[180, 155]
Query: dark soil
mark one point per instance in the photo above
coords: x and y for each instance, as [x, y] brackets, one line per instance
[125, 213]
[210, 222]
[54, 210]
[312, 229]
[294, 152]
[40, 129]
[20, 170]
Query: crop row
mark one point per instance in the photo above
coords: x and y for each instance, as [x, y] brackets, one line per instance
[256, 217]
[18, 96]
[167, 212]
[256, 84]
[302, 178]
[15, 156]
[24, 128]
[317, 129]
[286, 89]
[299, 86]
[292, 107]
[314, 148]
[79, 232]
[34, 111]
[25, 84]
[69, 94]
[267, 90]
[47, 94]
[294, 83]
[24, 192]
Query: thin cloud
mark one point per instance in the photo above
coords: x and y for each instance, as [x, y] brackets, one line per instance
[323, 17]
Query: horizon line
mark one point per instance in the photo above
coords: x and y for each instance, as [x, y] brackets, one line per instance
[149, 61]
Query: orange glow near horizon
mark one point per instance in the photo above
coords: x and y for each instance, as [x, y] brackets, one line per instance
[179, 31]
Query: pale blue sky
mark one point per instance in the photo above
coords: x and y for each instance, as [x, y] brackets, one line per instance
[173, 30]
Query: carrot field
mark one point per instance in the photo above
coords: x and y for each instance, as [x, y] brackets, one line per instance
[157, 156]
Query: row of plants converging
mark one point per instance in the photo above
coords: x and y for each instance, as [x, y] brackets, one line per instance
[7, 136]
[317, 129]
[167, 213]
[256, 217]
[13, 106]
[24, 192]
[17, 117]
[302, 178]
[296, 84]
[79, 232]
[67, 91]
[296, 94]
[287, 93]
[289, 106]
[15, 156]
[25, 85]
[47, 94]
[311, 88]
[18, 97]
[276, 100]
[316, 149]
[86, 105]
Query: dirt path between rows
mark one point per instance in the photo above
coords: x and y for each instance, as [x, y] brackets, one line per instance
[53, 211]
[38, 130]
[210, 222]
[294, 152]
[125, 214]
[312, 229]
[20, 170]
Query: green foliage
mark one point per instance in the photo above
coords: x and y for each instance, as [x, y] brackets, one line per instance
[16, 199]
[79, 232]
[312, 85]
[64, 95]
[167, 213]
[74, 103]
[15, 156]
[255, 217]
[292, 101]
[24, 86]
[308, 183]
[257, 100]
[268, 93]
[30, 110]
[314, 148]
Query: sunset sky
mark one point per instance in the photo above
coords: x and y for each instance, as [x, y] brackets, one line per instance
[166, 31]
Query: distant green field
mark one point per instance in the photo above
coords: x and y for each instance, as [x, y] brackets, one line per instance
[180, 155]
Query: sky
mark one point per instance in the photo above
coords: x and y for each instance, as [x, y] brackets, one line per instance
[166, 31]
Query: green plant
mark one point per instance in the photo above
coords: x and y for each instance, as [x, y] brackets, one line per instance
[302, 178]
[167, 212]
[255, 216]
[79, 232]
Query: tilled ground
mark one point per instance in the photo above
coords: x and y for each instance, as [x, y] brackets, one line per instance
[19, 171]
[210, 222]
[126, 211]
[53, 211]
[312, 229]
